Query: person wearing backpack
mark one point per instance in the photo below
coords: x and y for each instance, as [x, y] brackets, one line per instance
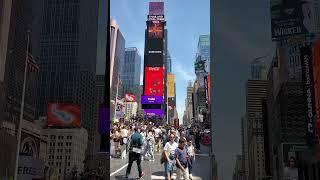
[135, 150]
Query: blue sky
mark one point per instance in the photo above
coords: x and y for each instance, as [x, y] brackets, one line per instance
[186, 21]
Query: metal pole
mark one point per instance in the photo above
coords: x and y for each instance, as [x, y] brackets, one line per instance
[115, 105]
[21, 110]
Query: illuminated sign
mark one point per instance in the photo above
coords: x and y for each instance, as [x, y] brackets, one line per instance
[153, 112]
[156, 8]
[154, 81]
[130, 98]
[151, 99]
[155, 29]
[63, 115]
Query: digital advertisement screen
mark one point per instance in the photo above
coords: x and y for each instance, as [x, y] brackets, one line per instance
[151, 99]
[63, 115]
[130, 98]
[153, 112]
[155, 30]
[170, 86]
[154, 81]
[154, 60]
[156, 8]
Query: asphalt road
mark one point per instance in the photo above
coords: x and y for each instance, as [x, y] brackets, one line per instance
[155, 170]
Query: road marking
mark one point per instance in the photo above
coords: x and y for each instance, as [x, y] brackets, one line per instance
[202, 154]
[174, 176]
[118, 170]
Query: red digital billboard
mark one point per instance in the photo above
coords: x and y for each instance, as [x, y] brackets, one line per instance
[63, 115]
[154, 81]
[155, 29]
[130, 98]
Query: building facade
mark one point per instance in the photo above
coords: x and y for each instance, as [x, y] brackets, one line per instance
[256, 92]
[117, 55]
[238, 173]
[130, 75]
[131, 109]
[66, 150]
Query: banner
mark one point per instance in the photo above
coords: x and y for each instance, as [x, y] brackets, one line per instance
[30, 168]
[290, 17]
[307, 77]
[63, 115]
[153, 113]
[316, 75]
[170, 86]
[156, 8]
[130, 98]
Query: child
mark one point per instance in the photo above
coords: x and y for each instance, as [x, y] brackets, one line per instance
[191, 155]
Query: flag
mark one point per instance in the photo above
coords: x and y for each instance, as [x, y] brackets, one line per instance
[32, 64]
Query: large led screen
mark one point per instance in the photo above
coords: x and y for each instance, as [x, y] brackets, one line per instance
[154, 59]
[104, 120]
[153, 112]
[156, 8]
[63, 115]
[151, 99]
[155, 29]
[154, 81]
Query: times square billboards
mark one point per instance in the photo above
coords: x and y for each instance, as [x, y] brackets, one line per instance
[154, 70]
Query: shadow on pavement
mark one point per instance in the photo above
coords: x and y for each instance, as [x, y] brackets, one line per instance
[159, 173]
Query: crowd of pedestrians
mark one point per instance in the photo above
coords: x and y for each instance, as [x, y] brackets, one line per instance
[140, 141]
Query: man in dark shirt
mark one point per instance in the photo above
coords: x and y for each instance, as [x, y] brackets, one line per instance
[135, 152]
[182, 160]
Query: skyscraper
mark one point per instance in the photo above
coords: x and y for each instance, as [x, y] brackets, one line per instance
[259, 68]
[69, 40]
[117, 54]
[131, 71]
[256, 92]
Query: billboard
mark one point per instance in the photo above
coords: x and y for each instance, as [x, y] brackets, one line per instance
[307, 78]
[153, 112]
[151, 99]
[63, 115]
[104, 120]
[154, 81]
[170, 80]
[155, 30]
[130, 98]
[316, 75]
[290, 17]
[156, 8]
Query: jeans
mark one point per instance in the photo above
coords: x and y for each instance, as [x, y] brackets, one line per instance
[149, 149]
[190, 161]
[168, 168]
[134, 157]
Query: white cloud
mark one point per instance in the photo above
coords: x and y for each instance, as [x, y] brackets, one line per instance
[183, 73]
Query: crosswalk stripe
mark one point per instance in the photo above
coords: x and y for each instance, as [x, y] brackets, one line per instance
[174, 176]
[202, 154]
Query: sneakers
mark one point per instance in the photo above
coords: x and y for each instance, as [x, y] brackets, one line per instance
[142, 175]
[190, 176]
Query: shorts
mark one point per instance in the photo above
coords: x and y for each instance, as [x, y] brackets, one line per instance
[168, 167]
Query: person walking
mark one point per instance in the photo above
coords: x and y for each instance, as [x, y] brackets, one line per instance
[158, 133]
[135, 149]
[168, 156]
[191, 155]
[197, 139]
[182, 160]
[150, 145]
[124, 135]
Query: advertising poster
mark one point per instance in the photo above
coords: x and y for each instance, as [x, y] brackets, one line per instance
[156, 8]
[316, 75]
[291, 153]
[30, 168]
[290, 17]
[170, 86]
[155, 30]
[151, 99]
[130, 98]
[292, 56]
[63, 115]
[154, 81]
[153, 113]
[307, 78]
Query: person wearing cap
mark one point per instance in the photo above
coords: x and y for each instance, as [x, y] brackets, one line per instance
[135, 150]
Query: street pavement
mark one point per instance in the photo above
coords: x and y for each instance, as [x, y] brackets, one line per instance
[155, 170]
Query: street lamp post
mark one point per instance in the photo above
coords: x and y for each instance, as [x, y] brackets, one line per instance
[116, 100]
